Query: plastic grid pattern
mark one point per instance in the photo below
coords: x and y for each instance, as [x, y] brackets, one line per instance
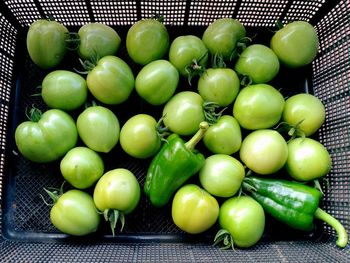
[18, 6]
[303, 10]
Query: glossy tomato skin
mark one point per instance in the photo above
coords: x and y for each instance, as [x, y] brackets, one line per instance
[157, 82]
[244, 219]
[193, 209]
[307, 159]
[111, 81]
[98, 128]
[147, 40]
[258, 106]
[184, 50]
[97, 40]
[306, 111]
[139, 137]
[46, 43]
[183, 113]
[117, 189]
[49, 138]
[259, 63]
[81, 167]
[222, 35]
[75, 213]
[63, 89]
[219, 85]
[264, 151]
[224, 137]
[221, 175]
[295, 44]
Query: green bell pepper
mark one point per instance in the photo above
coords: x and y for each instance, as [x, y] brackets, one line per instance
[174, 164]
[292, 203]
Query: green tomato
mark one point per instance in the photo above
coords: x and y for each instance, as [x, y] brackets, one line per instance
[74, 213]
[221, 175]
[65, 90]
[98, 128]
[305, 112]
[46, 43]
[307, 159]
[111, 81]
[259, 63]
[183, 113]
[97, 40]
[224, 137]
[258, 106]
[157, 81]
[81, 167]
[147, 40]
[193, 209]
[219, 85]
[48, 138]
[295, 44]
[139, 137]
[264, 151]
[244, 219]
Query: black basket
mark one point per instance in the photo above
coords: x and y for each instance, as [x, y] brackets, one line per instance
[150, 236]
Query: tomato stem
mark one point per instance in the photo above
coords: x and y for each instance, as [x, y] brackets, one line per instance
[113, 216]
[72, 40]
[224, 237]
[218, 61]
[34, 114]
[210, 112]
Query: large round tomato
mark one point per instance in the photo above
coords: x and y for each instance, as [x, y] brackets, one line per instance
[98, 128]
[295, 44]
[111, 81]
[46, 43]
[48, 137]
[193, 209]
[139, 137]
[157, 82]
[221, 175]
[259, 63]
[222, 35]
[258, 106]
[307, 159]
[65, 90]
[97, 40]
[219, 85]
[264, 151]
[147, 40]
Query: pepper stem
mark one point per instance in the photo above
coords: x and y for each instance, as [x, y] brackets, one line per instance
[113, 215]
[191, 144]
[333, 222]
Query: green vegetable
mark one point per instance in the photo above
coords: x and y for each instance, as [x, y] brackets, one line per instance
[174, 164]
[292, 203]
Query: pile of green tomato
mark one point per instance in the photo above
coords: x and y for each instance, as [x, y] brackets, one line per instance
[241, 142]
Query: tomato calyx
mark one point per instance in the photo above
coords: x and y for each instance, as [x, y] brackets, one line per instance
[34, 114]
[225, 238]
[210, 114]
[113, 216]
[158, 17]
[54, 194]
[292, 130]
[88, 64]
[195, 69]
[240, 46]
[162, 130]
[72, 40]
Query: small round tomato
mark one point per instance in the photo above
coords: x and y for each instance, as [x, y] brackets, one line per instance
[258, 106]
[304, 112]
[193, 209]
[74, 213]
[264, 151]
[259, 63]
[139, 137]
[219, 85]
[183, 113]
[98, 128]
[97, 40]
[307, 159]
[295, 44]
[111, 81]
[147, 40]
[222, 35]
[46, 43]
[221, 175]
[157, 82]
[224, 137]
[244, 219]
[185, 50]
[81, 167]
[65, 90]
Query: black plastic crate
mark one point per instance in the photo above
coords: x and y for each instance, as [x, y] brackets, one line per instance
[149, 235]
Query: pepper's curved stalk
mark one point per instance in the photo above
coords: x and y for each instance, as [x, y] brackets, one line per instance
[113, 216]
[191, 144]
